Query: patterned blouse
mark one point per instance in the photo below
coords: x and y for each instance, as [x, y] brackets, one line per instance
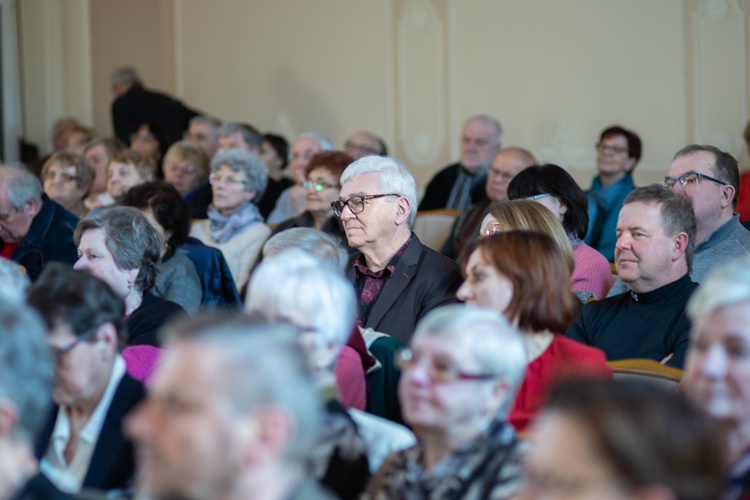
[487, 467]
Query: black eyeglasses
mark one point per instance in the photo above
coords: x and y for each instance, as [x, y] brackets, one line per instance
[59, 352]
[688, 179]
[439, 372]
[604, 148]
[317, 186]
[356, 203]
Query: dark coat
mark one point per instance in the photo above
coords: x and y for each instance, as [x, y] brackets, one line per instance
[439, 189]
[50, 238]
[112, 464]
[139, 105]
[422, 280]
[219, 290]
[144, 324]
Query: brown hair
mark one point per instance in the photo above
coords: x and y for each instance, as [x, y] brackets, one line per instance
[145, 166]
[335, 161]
[527, 215]
[191, 153]
[536, 267]
[84, 170]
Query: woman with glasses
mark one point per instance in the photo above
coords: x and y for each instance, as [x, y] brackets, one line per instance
[67, 179]
[553, 187]
[525, 276]
[458, 380]
[235, 225]
[82, 445]
[322, 176]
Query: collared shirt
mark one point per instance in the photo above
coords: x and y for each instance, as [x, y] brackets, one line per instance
[460, 196]
[69, 476]
[371, 283]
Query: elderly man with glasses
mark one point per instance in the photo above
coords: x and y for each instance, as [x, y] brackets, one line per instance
[711, 179]
[397, 279]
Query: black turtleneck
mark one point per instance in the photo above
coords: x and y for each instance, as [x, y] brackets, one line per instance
[645, 325]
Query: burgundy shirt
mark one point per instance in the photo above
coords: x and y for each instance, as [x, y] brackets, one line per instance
[370, 283]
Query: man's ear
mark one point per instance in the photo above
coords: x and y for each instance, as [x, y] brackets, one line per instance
[680, 245]
[727, 195]
[32, 207]
[403, 210]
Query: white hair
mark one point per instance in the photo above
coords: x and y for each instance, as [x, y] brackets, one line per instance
[393, 177]
[324, 143]
[295, 281]
[725, 286]
[497, 345]
[311, 241]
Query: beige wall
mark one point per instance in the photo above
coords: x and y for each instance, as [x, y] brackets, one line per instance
[555, 73]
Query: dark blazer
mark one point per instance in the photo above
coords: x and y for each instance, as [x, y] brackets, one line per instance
[439, 189]
[422, 280]
[50, 238]
[112, 464]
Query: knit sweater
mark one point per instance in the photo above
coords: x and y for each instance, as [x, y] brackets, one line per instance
[592, 273]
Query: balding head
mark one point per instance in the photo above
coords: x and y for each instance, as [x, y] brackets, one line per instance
[506, 165]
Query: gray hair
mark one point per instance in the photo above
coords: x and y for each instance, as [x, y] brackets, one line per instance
[214, 123]
[296, 281]
[677, 214]
[251, 164]
[726, 286]
[725, 167]
[320, 245]
[324, 143]
[394, 177]
[249, 134]
[490, 120]
[124, 75]
[20, 185]
[264, 366]
[26, 369]
[130, 238]
[13, 281]
[497, 346]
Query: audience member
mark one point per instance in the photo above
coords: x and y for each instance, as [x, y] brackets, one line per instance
[524, 276]
[743, 193]
[314, 296]
[397, 279]
[34, 229]
[231, 413]
[292, 200]
[624, 440]
[275, 153]
[234, 224]
[717, 376]
[506, 165]
[460, 374]
[26, 374]
[364, 143]
[133, 105]
[176, 279]
[711, 179]
[237, 135]
[121, 247]
[654, 254]
[322, 175]
[554, 188]
[617, 154]
[462, 184]
[204, 131]
[149, 139]
[67, 179]
[99, 153]
[59, 129]
[76, 138]
[186, 168]
[13, 281]
[82, 444]
[126, 170]
[311, 241]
